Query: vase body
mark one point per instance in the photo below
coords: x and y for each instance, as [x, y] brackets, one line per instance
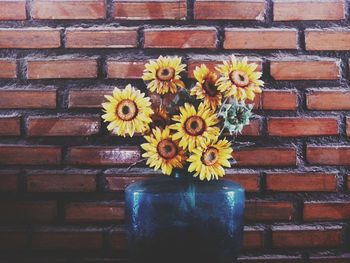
[184, 220]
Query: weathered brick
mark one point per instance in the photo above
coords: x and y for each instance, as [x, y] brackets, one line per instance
[63, 126]
[301, 126]
[212, 63]
[27, 99]
[11, 154]
[101, 37]
[326, 211]
[269, 210]
[328, 100]
[90, 155]
[305, 70]
[328, 155]
[30, 38]
[278, 100]
[180, 38]
[8, 181]
[70, 239]
[87, 98]
[327, 39]
[17, 238]
[73, 9]
[304, 236]
[253, 128]
[117, 69]
[250, 181]
[253, 38]
[266, 156]
[8, 68]
[118, 239]
[94, 212]
[229, 10]
[70, 68]
[13, 10]
[301, 182]
[28, 211]
[150, 10]
[10, 126]
[61, 181]
[253, 238]
[308, 10]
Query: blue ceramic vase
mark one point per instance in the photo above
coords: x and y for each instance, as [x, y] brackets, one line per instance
[181, 219]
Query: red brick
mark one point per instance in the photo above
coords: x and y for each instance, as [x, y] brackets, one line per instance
[328, 100]
[73, 9]
[94, 212]
[69, 239]
[253, 128]
[278, 100]
[8, 181]
[253, 238]
[327, 39]
[29, 155]
[101, 37]
[348, 126]
[328, 155]
[61, 181]
[301, 127]
[70, 68]
[326, 211]
[149, 10]
[180, 38]
[265, 156]
[87, 98]
[211, 64]
[269, 211]
[13, 10]
[13, 239]
[91, 155]
[296, 258]
[27, 99]
[301, 182]
[229, 10]
[27, 211]
[125, 69]
[303, 236]
[250, 181]
[30, 38]
[118, 239]
[308, 10]
[342, 258]
[10, 126]
[63, 126]
[253, 38]
[119, 183]
[8, 68]
[305, 70]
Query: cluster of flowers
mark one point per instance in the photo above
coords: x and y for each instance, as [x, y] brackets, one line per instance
[182, 127]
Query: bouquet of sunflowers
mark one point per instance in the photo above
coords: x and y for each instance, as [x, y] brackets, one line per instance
[186, 128]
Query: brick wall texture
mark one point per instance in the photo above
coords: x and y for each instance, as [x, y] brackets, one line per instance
[62, 175]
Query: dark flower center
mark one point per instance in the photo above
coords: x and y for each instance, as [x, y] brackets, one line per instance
[167, 149]
[126, 110]
[195, 126]
[210, 156]
[239, 78]
[209, 86]
[165, 74]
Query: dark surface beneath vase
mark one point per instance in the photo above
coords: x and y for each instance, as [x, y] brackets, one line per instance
[184, 220]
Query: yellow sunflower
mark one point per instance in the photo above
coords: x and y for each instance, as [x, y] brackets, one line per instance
[163, 74]
[128, 111]
[205, 88]
[160, 118]
[209, 159]
[192, 126]
[239, 79]
[162, 151]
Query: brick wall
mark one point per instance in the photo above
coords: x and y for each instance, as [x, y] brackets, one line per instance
[62, 175]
